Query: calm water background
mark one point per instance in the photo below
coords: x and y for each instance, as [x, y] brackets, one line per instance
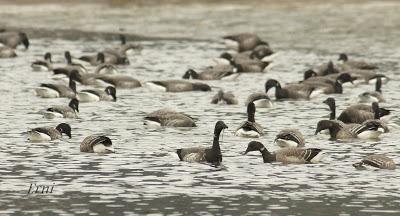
[145, 176]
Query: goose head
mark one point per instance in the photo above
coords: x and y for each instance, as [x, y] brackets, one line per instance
[254, 146]
[75, 75]
[189, 73]
[68, 57]
[64, 128]
[219, 126]
[309, 73]
[343, 57]
[74, 104]
[327, 124]
[227, 56]
[110, 90]
[345, 77]
[330, 101]
[271, 83]
[47, 57]
[100, 57]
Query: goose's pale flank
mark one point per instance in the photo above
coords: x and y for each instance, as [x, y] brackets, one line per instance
[212, 73]
[370, 129]
[104, 68]
[169, 118]
[260, 99]
[374, 96]
[43, 65]
[376, 161]
[13, 39]
[243, 41]
[286, 155]
[224, 98]
[250, 128]
[92, 95]
[290, 138]
[283, 93]
[69, 111]
[120, 81]
[356, 64]
[7, 52]
[97, 144]
[176, 86]
[210, 155]
[49, 133]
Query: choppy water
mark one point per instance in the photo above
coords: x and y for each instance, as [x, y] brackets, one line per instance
[145, 176]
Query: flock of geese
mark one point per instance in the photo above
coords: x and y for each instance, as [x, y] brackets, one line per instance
[247, 54]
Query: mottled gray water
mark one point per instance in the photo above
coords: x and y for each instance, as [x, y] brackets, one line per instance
[145, 176]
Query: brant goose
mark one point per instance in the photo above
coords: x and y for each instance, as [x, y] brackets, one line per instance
[97, 144]
[286, 155]
[250, 128]
[199, 154]
[49, 133]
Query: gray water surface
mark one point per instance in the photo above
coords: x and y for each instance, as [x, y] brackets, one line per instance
[145, 176]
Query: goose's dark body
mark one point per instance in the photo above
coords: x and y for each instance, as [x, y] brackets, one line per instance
[284, 93]
[360, 112]
[177, 86]
[245, 41]
[362, 65]
[224, 98]
[120, 81]
[169, 118]
[210, 155]
[212, 73]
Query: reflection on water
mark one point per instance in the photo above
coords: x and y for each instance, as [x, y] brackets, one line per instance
[144, 175]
